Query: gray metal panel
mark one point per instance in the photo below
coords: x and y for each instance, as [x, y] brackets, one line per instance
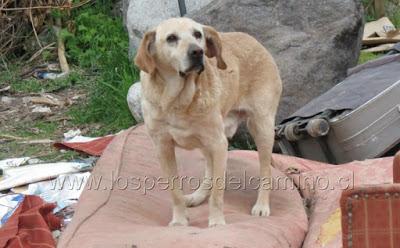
[372, 129]
[363, 84]
[368, 130]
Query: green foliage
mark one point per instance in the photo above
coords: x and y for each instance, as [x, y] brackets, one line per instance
[395, 17]
[100, 44]
[97, 38]
[392, 9]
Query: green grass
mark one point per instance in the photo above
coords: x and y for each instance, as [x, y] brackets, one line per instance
[100, 45]
[31, 85]
[39, 130]
[36, 86]
[366, 56]
[43, 152]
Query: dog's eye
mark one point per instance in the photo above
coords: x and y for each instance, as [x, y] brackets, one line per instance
[197, 34]
[172, 38]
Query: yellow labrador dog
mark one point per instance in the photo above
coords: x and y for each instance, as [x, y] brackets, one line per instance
[197, 86]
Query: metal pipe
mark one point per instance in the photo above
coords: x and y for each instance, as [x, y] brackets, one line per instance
[182, 7]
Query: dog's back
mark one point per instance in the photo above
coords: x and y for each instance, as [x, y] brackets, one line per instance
[250, 70]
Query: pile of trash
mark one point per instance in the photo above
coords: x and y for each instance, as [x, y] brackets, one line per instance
[380, 36]
[29, 185]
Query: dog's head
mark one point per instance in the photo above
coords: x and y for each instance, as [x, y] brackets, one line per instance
[179, 45]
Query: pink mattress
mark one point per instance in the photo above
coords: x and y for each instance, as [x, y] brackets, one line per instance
[130, 216]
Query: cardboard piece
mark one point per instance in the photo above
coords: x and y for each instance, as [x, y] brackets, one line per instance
[381, 31]
[380, 48]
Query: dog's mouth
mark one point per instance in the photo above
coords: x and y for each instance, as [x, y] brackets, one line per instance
[198, 68]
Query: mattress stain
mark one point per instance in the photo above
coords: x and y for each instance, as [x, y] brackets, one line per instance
[331, 228]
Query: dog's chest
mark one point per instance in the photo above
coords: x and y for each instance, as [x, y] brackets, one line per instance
[185, 133]
[190, 134]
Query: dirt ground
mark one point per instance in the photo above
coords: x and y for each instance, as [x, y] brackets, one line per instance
[31, 122]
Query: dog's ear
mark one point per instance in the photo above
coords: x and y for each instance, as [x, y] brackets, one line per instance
[144, 56]
[214, 46]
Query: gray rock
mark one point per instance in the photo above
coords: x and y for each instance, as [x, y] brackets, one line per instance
[143, 15]
[313, 41]
[134, 103]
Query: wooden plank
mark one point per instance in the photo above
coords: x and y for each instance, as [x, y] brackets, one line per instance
[379, 6]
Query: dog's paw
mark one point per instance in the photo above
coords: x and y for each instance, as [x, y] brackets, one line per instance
[260, 210]
[216, 222]
[195, 199]
[179, 222]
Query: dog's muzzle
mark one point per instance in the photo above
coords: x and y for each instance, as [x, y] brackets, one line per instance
[196, 59]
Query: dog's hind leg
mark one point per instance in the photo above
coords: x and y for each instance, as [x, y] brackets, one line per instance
[203, 191]
[261, 127]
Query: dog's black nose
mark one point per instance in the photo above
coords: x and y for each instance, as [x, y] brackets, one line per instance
[195, 52]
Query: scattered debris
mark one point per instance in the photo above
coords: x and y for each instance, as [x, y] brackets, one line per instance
[16, 111]
[50, 75]
[7, 100]
[395, 49]
[32, 220]
[46, 100]
[34, 161]
[5, 89]
[41, 109]
[41, 141]
[380, 48]
[64, 190]
[35, 71]
[13, 162]
[8, 204]
[14, 177]
[81, 139]
[381, 35]
[24, 140]
[66, 214]
[91, 146]
[10, 137]
[77, 97]
[72, 133]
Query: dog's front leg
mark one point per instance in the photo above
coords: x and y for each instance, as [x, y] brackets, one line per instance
[166, 154]
[218, 155]
[201, 194]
